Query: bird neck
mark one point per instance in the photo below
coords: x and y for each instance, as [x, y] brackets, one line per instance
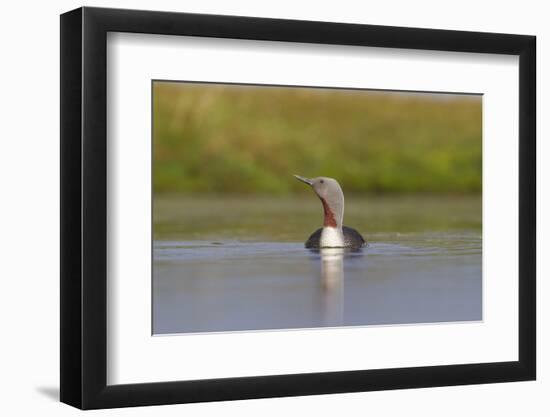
[334, 211]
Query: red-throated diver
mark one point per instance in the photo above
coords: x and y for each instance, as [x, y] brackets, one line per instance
[333, 234]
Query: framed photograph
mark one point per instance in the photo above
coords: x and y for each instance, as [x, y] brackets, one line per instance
[257, 208]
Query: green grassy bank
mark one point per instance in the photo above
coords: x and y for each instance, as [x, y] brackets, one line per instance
[244, 140]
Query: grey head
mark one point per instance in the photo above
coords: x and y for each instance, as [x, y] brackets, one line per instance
[332, 197]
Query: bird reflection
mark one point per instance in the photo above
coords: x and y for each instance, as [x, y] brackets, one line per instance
[332, 283]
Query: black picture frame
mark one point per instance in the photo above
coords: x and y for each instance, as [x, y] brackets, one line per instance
[84, 207]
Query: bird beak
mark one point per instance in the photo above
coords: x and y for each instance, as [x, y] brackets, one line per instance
[303, 179]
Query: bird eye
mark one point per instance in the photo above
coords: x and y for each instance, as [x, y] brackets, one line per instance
[322, 181]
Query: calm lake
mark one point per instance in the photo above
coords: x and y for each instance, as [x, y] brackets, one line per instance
[231, 264]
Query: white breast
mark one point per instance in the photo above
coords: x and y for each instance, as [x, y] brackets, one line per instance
[332, 237]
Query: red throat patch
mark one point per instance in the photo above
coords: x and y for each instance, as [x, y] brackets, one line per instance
[329, 220]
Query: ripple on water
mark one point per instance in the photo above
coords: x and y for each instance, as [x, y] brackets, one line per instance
[392, 245]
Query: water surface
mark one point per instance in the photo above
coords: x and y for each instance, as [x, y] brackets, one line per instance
[241, 264]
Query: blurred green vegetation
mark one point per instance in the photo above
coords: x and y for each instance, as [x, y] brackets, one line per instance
[249, 139]
[293, 218]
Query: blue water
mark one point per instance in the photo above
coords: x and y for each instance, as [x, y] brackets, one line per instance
[213, 286]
